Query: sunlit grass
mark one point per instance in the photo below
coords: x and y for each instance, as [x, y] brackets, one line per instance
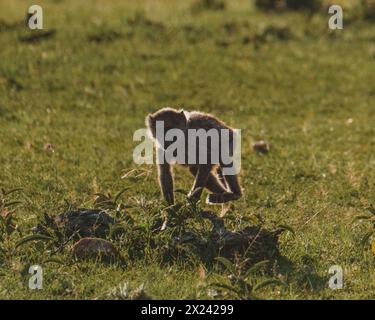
[284, 78]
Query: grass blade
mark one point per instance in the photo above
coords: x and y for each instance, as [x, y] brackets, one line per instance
[366, 238]
[227, 264]
[119, 194]
[287, 228]
[33, 237]
[267, 283]
[256, 266]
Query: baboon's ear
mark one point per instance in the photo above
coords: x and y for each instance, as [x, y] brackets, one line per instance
[150, 120]
[185, 114]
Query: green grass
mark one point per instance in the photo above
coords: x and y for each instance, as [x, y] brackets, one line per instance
[88, 87]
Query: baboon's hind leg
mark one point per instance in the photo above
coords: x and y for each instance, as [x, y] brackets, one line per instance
[234, 184]
[221, 177]
[213, 184]
[235, 193]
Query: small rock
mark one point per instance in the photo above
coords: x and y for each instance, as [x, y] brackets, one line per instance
[93, 248]
[261, 146]
[49, 147]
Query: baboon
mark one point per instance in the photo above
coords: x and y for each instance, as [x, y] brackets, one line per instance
[210, 174]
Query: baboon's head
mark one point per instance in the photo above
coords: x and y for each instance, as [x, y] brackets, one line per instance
[171, 118]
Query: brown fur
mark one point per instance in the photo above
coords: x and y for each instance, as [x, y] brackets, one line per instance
[223, 188]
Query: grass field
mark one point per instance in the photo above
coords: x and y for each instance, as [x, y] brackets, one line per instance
[281, 77]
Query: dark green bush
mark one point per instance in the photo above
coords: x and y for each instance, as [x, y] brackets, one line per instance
[208, 5]
[270, 4]
[311, 5]
[369, 9]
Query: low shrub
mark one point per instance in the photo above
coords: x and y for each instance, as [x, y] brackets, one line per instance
[311, 5]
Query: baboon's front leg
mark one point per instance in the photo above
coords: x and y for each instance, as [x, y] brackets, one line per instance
[166, 182]
[200, 182]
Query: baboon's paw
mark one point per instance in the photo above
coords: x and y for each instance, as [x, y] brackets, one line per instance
[215, 198]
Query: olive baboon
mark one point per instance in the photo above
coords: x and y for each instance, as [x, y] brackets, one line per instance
[210, 174]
